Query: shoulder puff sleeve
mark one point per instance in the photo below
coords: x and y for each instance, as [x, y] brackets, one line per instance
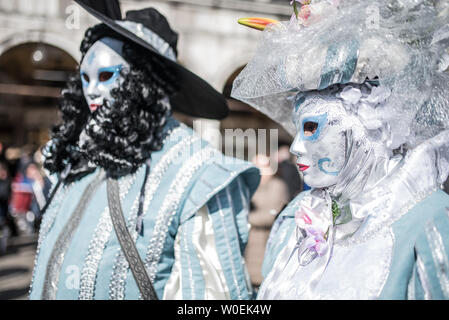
[209, 248]
[430, 275]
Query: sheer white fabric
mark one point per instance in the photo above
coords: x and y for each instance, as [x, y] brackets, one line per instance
[355, 272]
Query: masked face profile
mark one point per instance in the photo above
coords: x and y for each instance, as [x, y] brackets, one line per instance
[100, 71]
[319, 144]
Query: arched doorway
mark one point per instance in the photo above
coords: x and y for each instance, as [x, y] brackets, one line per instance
[31, 77]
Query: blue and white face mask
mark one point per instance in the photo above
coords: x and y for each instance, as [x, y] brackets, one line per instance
[320, 143]
[101, 71]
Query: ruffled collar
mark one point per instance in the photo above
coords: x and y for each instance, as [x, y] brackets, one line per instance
[418, 174]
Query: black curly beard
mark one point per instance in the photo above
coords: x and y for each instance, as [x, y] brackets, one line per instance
[120, 137]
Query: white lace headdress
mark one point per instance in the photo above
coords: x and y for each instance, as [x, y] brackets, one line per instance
[398, 46]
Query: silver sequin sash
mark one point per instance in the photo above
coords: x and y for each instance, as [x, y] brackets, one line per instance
[98, 243]
[120, 268]
[103, 231]
[62, 243]
[170, 207]
[47, 222]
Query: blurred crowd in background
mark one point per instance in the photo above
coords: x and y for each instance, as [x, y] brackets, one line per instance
[24, 190]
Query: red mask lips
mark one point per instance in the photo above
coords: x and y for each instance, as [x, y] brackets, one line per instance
[94, 107]
[302, 167]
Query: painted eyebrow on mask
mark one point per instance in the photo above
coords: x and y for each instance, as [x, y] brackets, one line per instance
[91, 58]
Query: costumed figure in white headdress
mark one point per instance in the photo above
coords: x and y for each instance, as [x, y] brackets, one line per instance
[362, 88]
[143, 208]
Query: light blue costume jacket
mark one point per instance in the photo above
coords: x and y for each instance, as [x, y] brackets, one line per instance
[416, 268]
[79, 256]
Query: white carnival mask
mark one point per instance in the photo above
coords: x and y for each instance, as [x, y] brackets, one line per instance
[320, 142]
[100, 71]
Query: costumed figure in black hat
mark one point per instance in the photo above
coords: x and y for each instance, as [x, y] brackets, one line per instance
[142, 208]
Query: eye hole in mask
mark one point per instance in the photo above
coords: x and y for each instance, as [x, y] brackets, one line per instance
[85, 77]
[108, 75]
[105, 76]
[310, 128]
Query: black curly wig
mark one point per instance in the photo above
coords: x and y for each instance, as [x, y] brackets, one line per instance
[118, 136]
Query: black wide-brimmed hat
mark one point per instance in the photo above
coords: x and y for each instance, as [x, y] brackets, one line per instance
[150, 29]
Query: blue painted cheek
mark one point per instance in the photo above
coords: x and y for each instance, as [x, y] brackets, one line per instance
[320, 166]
